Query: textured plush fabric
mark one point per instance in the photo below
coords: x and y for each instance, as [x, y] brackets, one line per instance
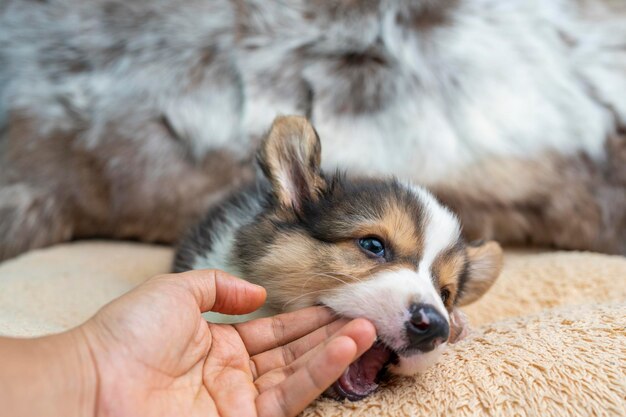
[50, 290]
[548, 340]
[556, 363]
[532, 282]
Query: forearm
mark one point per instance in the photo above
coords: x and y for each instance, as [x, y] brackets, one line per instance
[47, 376]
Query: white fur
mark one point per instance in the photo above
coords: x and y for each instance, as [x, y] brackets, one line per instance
[419, 362]
[384, 299]
[441, 229]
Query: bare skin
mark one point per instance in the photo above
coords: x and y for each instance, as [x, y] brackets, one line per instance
[151, 352]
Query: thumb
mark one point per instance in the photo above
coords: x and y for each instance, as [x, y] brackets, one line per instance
[236, 296]
[221, 292]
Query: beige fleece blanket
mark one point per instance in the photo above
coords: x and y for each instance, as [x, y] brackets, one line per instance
[548, 340]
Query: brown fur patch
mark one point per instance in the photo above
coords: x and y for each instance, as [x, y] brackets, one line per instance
[121, 188]
[426, 15]
[367, 82]
[198, 70]
[570, 202]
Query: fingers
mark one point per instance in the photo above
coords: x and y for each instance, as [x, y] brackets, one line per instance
[267, 333]
[361, 331]
[221, 292]
[282, 356]
[293, 394]
[226, 374]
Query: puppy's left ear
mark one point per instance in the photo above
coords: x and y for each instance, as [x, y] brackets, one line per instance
[484, 266]
[290, 158]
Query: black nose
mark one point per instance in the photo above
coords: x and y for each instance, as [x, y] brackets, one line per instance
[427, 328]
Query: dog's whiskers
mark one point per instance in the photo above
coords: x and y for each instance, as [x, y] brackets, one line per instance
[331, 275]
[293, 300]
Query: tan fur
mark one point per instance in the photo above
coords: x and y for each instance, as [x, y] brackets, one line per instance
[297, 269]
[400, 229]
[396, 226]
[447, 268]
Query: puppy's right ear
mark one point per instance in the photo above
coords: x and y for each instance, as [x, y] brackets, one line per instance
[484, 266]
[290, 158]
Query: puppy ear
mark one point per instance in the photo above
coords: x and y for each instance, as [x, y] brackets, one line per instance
[484, 266]
[290, 158]
[459, 326]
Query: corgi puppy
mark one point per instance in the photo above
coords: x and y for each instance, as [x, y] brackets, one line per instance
[375, 248]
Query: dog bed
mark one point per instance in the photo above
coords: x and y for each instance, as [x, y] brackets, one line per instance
[549, 339]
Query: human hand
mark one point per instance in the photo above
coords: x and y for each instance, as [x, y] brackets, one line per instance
[155, 355]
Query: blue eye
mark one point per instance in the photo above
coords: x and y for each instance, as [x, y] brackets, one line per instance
[373, 246]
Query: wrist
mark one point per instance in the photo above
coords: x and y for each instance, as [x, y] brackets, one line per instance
[81, 368]
[51, 375]
[71, 373]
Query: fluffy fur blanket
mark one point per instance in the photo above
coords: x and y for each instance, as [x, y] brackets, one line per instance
[547, 340]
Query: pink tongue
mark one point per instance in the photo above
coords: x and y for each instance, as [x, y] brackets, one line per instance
[359, 380]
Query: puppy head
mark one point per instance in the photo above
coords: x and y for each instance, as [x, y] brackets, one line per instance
[379, 249]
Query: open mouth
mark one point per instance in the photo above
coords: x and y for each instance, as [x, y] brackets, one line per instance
[363, 376]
